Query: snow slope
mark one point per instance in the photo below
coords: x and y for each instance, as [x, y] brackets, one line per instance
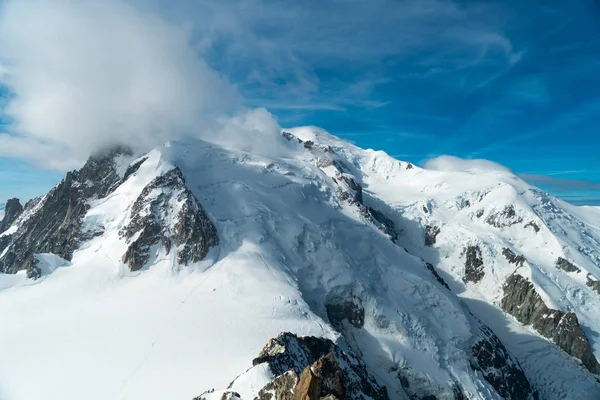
[289, 246]
[415, 197]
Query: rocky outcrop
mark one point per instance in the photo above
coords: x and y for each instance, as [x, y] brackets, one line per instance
[473, 265]
[507, 217]
[387, 225]
[56, 224]
[12, 210]
[280, 388]
[317, 368]
[533, 225]
[337, 369]
[341, 311]
[323, 379]
[31, 268]
[489, 358]
[227, 395]
[431, 233]
[308, 368]
[4, 242]
[566, 265]
[167, 213]
[512, 258]
[349, 191]
[593, 283]
[523, 302]
[431, 268]
[500, 369]
[134, 167]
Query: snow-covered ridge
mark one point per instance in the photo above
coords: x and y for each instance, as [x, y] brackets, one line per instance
[403, 267]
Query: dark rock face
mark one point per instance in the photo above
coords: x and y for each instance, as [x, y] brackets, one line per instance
[4, 242]
[473, 265]
[340, 311]
[356, 190]
[500, 369]
[506, 217]
[566, 265]
[512, 258]
[523, 302]
[387, 224]
[30, 266]
[56, 224]
[431, 233]
[339, 369]
[192, 234]
[532, 225]
[437, 276]
[594, 284]
[134, 167]
[308, 144]
[12, 210]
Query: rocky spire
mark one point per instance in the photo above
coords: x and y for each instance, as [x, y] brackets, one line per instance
[12, 210]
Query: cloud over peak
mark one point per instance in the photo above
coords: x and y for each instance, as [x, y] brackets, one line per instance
[83, 75]
[456, 164]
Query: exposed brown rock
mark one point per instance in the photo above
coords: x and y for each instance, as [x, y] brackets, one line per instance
[281, 388]
[290, 352]
[323, 378]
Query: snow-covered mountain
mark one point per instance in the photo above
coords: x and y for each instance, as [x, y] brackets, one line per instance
[324, 271]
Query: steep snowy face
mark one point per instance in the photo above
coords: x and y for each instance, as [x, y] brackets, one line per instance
[164, 275]
[520, 259]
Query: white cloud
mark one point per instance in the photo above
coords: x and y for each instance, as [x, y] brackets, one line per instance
[43, 153]
[253, 131]
[88, 74]
[456, 164]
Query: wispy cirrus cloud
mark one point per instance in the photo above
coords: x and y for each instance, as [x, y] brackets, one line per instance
[560, 124]
[313, 49]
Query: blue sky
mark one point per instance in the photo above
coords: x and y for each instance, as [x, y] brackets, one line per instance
[515, 82]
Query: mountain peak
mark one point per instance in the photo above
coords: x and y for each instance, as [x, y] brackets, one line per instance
[384, 276]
